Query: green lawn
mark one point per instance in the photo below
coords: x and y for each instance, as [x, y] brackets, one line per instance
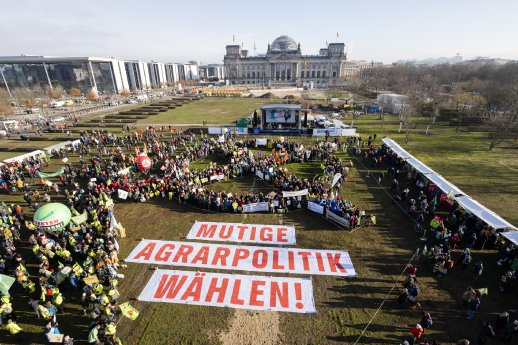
[211, 109]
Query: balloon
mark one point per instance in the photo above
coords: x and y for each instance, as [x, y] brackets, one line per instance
[52, 218]
[143, 163]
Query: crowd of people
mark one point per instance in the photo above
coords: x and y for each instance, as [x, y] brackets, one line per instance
[444, 226]
[84, 257]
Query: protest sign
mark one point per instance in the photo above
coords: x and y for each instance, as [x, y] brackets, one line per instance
[337, 219]
[261, 142]
[256, 207]
[122, 194]
[243, 258]
[231, 290]
[315, 208]
[237, 232]
[296, 193]
[217, 177]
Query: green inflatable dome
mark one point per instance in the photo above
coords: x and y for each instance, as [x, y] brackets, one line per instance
[52, 218]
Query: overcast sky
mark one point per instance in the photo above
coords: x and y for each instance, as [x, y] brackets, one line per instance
[179, 31]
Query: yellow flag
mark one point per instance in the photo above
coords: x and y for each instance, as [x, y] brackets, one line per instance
[373, 220]
[483, 291]
[128, 311]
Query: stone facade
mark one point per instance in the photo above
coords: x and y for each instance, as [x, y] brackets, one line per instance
[284, 65]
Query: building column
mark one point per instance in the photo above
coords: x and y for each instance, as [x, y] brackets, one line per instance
[91, 71]
[47, 74]
[113, 78]
[5, 82]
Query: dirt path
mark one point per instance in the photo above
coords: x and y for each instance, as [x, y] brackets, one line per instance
[252, 327]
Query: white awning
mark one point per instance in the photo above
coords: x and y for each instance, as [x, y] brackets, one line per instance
[24, 156]
[444, 185]
[511, 236]
[485, 214]
[419, 166]
[468, 204]
[58, 146]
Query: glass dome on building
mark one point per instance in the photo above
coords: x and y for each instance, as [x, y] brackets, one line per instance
[284, 43]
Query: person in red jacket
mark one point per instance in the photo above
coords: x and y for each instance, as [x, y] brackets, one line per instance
[417, 332]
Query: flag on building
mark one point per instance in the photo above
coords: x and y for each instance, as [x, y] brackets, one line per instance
[129, 311]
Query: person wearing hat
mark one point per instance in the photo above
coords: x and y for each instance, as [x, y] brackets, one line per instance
[417, 331]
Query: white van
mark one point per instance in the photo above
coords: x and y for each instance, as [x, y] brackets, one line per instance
[57, 104]
[320, 121]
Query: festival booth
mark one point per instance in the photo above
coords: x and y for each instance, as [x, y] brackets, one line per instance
[451, 191]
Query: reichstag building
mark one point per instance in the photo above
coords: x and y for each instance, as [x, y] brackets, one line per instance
[284, 65]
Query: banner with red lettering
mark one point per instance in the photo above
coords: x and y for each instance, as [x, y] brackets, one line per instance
[230, 290]
[237, 232]
[243, 258]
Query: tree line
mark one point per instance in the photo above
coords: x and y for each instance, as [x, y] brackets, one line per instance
[482, 94]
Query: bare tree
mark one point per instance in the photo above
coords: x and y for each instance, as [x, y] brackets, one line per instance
[92, 96]
[6, 110]
[465, 101]
[74, 92]
[497, 124]
[55, 93]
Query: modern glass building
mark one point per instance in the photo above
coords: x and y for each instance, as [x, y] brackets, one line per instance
[84, 73]
[103, 75]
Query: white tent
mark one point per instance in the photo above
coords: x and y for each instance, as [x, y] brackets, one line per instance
[24, 156]
[444, 185]
[58, 146]
[418, 165]
[511, 236]
[389, 142]
[485, 214]
[396, 148]
[468, 204]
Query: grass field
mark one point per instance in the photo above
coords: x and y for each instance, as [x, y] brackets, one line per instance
[210, 109]
[344, 306]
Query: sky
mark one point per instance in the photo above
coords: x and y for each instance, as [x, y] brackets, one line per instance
[180, 31]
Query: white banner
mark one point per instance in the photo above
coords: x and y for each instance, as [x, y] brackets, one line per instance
[256, 207]
[261, 142]
[124, 171]
[259, 174]
[214, 130]
[237, 232]
[332, 132]
[337, 219]
[243, 258]
[315, 207]
[218, 177]
[122, 194]
[297, 193]
[335, 179]
[231, 291]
